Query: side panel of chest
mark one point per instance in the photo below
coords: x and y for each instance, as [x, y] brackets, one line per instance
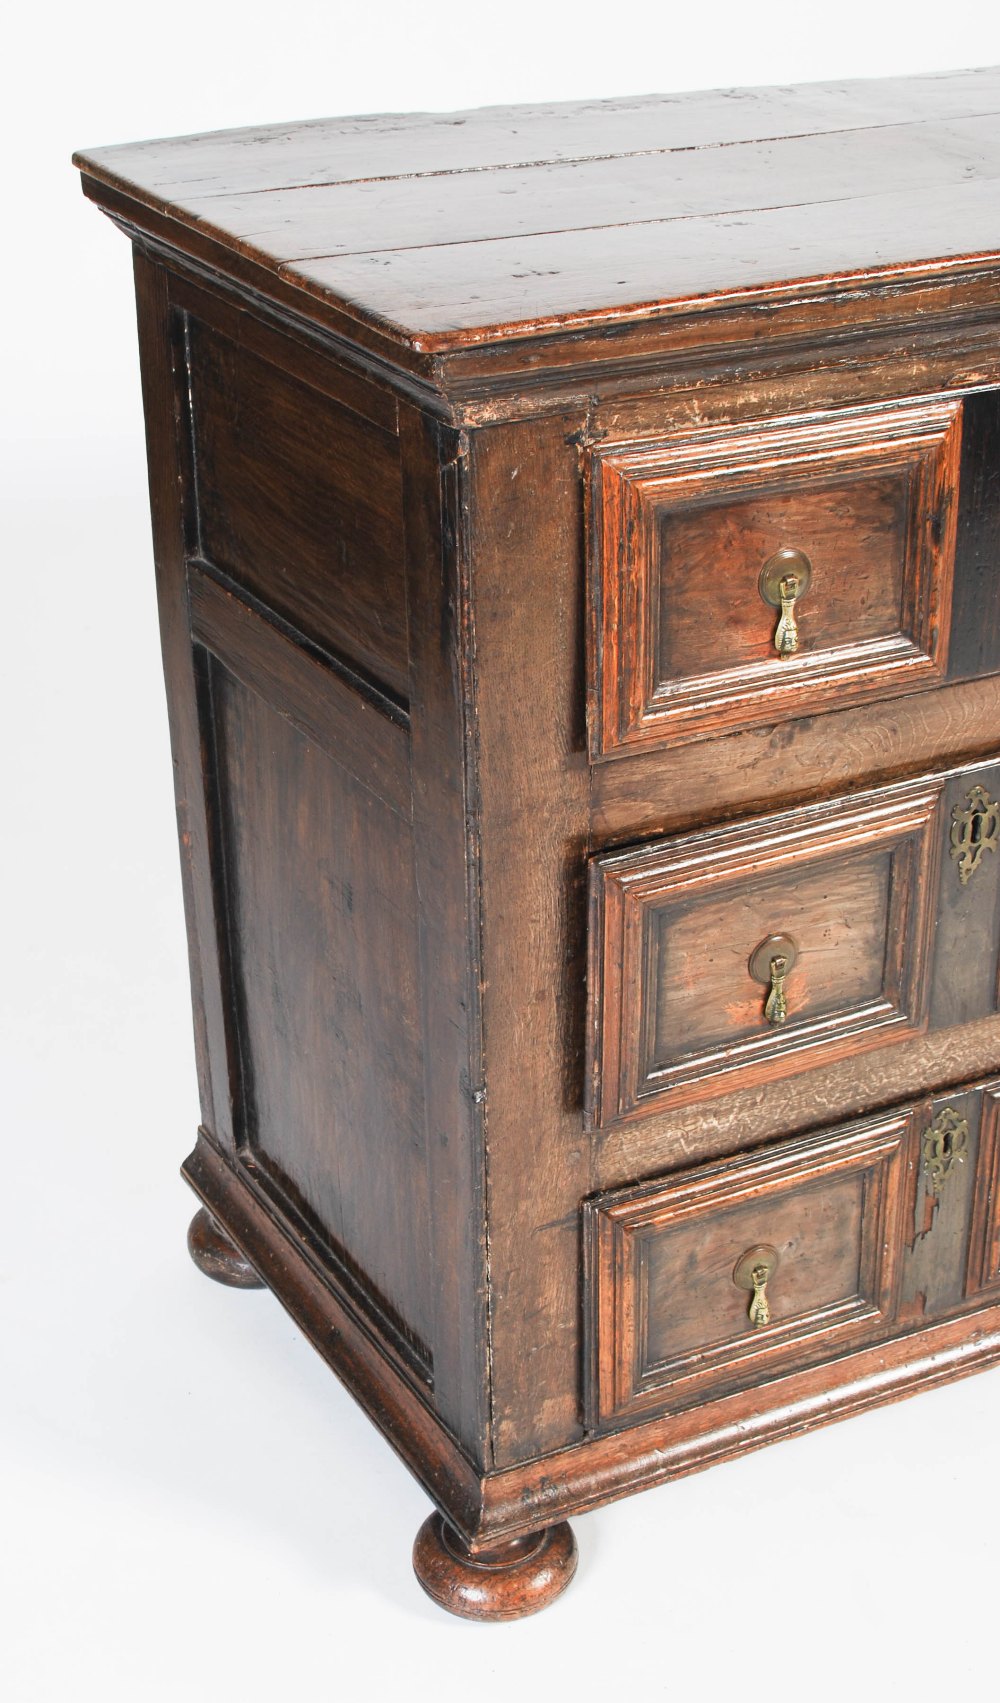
[320, 762]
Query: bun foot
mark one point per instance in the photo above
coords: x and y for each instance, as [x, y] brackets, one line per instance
[218, 1257]
[515, 1579]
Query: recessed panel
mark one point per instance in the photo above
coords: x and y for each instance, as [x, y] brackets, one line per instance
[854, 532]
[322, 912]
[748, 952]
[751, 574]
[703, 991]
[300, 503]
[733, 1273]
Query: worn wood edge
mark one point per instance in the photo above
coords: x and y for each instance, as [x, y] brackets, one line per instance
[335, 1330]
[295, 348]
[188, 235]
[532, 379]
[107, 189]
[639, 797]
[601, 1470]
[460, 378]
[204, 257]
[444, 755]
[623, 1388]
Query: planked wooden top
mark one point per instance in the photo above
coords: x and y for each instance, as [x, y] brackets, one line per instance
[444, 231]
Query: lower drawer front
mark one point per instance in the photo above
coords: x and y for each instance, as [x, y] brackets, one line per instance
[723, 1277]
[736, 1272]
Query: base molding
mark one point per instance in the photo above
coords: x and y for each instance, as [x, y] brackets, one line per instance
[491, 1508]
[339, 1336]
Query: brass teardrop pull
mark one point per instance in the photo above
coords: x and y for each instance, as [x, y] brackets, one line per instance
[786, 638]
[754, 1271]
[760, 1312]
[776, 1006]
[770, 964]
[784, 580]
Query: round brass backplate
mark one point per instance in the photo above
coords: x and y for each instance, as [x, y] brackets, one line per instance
[775, 946]
[783, 565]
[762, 1256]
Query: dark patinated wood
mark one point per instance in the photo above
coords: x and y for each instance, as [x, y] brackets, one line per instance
[518, 1578]
[669, 1319]
[683, 642]
[934, 1278]
[677, 1006]
[983, 1274]
[446, 292]
[300, 501]
[515, 1499]
[469, 436]
[673, 791]
[217, 1255]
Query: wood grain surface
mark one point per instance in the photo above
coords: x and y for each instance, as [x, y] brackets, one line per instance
[382, 359]
[668, 1322]
[300, 501]
[325, 982]
[681, 639]
[447, 229]
[674, 1010]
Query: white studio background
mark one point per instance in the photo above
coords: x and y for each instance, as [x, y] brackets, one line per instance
[192, 1506]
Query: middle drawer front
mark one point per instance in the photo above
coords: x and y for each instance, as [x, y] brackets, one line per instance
[752, 951]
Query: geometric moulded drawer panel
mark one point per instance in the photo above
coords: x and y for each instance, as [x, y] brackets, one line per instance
[673, 1312]
[745, 953]
[693, 539]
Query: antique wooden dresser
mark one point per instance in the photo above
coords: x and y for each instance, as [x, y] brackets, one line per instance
[577, 532]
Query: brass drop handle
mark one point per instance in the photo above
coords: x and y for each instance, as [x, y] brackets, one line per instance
[754, 1271]
[784, 581]
[770, 964]
[786, 638]
[776, 1005]
[760, 1312]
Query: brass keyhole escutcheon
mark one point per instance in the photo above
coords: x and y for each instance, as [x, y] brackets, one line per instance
[784, 581]
[974, 831]
[770, 964]
[754, 1271]
[945, 1146]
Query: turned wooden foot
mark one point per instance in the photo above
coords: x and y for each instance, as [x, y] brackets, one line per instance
[515, 1579]
[218, 1257]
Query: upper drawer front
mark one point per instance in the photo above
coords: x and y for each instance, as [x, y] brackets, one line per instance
[737, 1272]
[751, 951]
[694, 541]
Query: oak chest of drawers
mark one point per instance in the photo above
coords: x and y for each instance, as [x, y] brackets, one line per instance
[577, 533]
